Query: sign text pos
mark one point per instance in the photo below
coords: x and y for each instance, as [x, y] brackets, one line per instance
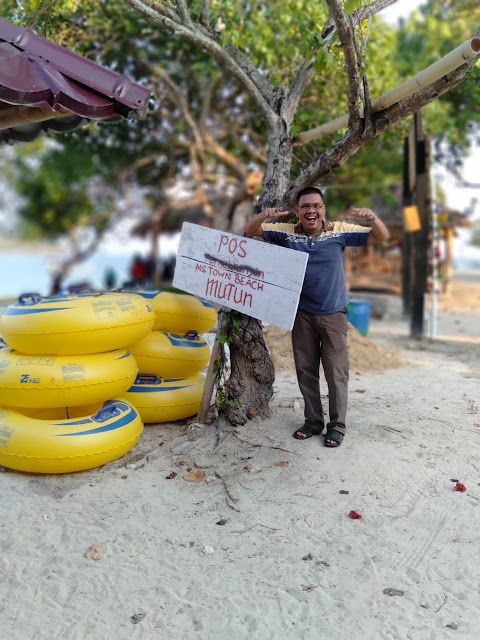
[259, 279]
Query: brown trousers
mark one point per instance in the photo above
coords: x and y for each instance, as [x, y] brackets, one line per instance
[322, 338]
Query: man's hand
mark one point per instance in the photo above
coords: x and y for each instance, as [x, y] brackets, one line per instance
[362, 216]
[359, 215]
[274, 212]
[254, 226]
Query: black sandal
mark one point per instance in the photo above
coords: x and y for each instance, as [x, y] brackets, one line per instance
[308, 431]
[336, 436]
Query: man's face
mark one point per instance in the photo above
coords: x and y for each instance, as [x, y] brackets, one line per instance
[311, 211]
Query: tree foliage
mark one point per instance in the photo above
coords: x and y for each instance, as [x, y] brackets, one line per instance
[54, 192]
[278, 38]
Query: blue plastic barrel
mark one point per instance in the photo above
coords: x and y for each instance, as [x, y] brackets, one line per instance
[358, 313]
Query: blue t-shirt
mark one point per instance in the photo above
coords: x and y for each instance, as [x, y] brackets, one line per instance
[324, 288]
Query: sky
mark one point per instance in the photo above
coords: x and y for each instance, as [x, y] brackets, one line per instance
[399, 9]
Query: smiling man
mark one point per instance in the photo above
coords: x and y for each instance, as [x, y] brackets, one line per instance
[320, 330]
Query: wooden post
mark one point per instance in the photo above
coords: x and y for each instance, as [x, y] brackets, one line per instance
[210, 375]
[408, 199]
[421, 241]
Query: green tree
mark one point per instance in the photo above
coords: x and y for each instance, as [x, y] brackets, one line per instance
[278, 99]
[59, 198]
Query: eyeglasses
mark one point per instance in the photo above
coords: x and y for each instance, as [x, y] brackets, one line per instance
[317, 206]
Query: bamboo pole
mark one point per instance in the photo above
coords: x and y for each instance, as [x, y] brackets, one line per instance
[466, 51]
[14, 115]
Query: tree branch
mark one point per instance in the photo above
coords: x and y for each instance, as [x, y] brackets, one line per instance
[229, 159]
[351, 142]
[157, 7]
[179, 99]
[230, 58]
[205, 19]
[367, 108]
[357, 17]
[183, 12]
[347, 38]
[297, 88]
[261, 83]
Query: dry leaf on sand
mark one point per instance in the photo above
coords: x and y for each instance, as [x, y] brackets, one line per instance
[252, 469]
[94, 552]
[195, 476]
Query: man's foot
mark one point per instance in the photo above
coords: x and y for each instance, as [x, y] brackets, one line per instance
[333, 438]
[305, 432]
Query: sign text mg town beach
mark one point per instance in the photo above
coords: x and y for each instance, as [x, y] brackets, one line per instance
[259, 279]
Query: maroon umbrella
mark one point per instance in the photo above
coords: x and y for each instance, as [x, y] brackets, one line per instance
[45, 86]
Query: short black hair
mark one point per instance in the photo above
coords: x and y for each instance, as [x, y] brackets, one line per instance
[307, 191]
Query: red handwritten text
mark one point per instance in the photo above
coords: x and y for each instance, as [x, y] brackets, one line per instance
[235, 246]
[228, 292]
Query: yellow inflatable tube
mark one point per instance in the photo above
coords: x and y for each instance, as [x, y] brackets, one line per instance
[67, 445]
[63, 381]
[179, 313]
[171, 355]
[166, 400]
[67, 325]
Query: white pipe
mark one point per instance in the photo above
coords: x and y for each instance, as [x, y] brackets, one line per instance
[466, 51]
[435, 239]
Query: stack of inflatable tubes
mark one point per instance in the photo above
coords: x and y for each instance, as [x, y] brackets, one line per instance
[68, 357]
[171, 357]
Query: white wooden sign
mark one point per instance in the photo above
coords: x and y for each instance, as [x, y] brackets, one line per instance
[259, 279]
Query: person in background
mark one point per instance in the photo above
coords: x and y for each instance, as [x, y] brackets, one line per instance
[110, 279]
[138, 270]
[320, 330]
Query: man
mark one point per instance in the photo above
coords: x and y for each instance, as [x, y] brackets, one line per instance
[320, 329]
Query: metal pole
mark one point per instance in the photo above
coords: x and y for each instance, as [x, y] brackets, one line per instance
[435, 239]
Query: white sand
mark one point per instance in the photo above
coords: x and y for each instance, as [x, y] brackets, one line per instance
[289, 562]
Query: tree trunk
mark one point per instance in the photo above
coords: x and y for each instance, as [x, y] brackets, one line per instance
[252, 374]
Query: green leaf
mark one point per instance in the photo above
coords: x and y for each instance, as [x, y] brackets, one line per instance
[351, 6]
[222, 339]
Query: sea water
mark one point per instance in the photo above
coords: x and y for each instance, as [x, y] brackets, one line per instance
[24, 272]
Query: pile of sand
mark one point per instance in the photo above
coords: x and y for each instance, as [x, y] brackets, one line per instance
[365, 355]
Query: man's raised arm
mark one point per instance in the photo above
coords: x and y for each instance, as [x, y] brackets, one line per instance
[254, 226]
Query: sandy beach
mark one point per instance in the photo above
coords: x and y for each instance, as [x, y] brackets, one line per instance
[263, 547]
